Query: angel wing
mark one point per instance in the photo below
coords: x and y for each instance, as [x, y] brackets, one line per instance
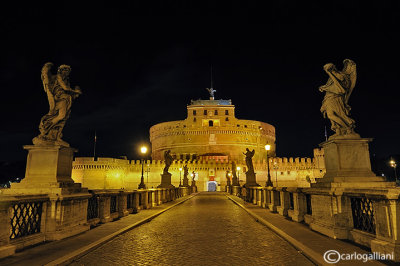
[48, 83]
[350, 69]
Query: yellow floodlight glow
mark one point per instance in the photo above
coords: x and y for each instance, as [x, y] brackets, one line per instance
[267, 147]
[180, 169]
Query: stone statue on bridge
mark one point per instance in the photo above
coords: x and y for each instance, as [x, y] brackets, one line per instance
[60, 96]
[168, 160]
[249, 160]
[185, 176]
[235, 180]
[337, 90]
[228, 178]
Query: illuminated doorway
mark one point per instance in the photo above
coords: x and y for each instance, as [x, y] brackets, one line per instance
[212, 186]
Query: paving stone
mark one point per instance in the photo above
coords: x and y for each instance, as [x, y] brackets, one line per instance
[208, 229]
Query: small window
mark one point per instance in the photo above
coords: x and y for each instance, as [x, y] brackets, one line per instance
[194, 119]
[281, 173]
[238, 125]
[245, 126]
[226, 119]
[288, 172]
[194, 112]
[226, 112]
[216, 112]
[205, 112]
[210, 123]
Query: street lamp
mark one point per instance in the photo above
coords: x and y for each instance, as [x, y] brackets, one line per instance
[180, 174]
[269, 182]
[394, 165]
[143, 151]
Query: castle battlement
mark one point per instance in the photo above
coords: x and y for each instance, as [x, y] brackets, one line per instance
[283, 163]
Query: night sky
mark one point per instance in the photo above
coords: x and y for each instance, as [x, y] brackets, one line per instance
[141, 65]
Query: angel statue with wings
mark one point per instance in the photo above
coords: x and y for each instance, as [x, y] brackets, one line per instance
[211, 91]
[337, 90]
[60, 96]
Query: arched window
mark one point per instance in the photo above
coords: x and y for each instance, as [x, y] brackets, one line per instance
[210, 123]
[226, 119]
[226, 112]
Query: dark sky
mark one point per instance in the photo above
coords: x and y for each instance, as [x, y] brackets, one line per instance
[141, 65]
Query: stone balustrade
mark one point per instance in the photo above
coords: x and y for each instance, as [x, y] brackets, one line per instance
[26, 220]
[368, 217]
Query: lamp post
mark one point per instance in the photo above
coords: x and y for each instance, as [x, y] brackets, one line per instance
[180, 174]
[143, 151]
[393, 164]
[269, 182]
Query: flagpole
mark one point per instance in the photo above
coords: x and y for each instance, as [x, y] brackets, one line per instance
[94, 146]
[326, 135]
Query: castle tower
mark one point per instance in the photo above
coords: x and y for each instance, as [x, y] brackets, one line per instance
[211, 131]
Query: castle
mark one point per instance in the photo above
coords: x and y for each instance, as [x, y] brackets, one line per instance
[207, 141]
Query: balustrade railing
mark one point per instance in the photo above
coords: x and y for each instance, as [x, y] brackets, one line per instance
[308, 204]
[25, 219]
[129, 198]
[93, 207]
[113, 204]
[291, 201]
[363, 214]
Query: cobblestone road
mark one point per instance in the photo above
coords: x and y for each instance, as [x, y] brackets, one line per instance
[208, 229]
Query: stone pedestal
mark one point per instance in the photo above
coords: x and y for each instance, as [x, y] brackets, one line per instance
[166, 181]
[48, 173]
[251, 180]
[347, 160]
[236, 190]
[185, 182]
[48, 170]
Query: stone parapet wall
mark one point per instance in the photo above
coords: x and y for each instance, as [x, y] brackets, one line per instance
[119, 173]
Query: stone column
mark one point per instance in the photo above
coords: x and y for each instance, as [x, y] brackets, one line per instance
[254, 195]
[135, 203]
[5, 228]
[387, 218]
[300, 206]
[275, 201]
[284, 206]
[122, 203]
[104, 208]
[266, 198]
[160, 196]
[259, 196]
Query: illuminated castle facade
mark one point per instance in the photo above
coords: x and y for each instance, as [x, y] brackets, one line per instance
[212, 131]
[207, 141]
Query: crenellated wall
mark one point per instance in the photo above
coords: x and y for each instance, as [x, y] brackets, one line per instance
[111, 173]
